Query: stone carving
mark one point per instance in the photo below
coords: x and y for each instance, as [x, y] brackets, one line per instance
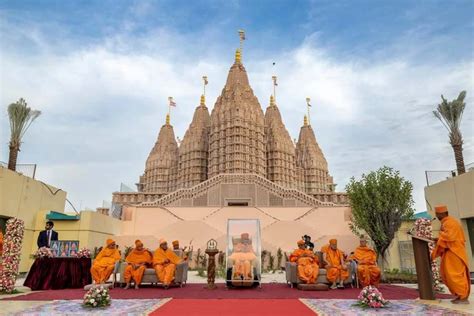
[237, 138]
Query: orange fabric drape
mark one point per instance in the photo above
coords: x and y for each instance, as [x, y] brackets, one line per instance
[1, 244]
[165, 271]
[451, 247]
[308, 268]
[335, 258]
[104, 264]
[242, 258]
[367, 270]
[137, 257]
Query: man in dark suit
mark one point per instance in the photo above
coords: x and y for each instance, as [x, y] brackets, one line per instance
[46, 236]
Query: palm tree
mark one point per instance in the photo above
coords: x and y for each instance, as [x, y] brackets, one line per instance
[450, 114]
[21, 117]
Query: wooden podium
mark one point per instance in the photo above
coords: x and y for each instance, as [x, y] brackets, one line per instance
[422, 254]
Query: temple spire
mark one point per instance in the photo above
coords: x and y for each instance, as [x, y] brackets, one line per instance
[305, 121]
[272, 100]
[203, 100]
[238, 56]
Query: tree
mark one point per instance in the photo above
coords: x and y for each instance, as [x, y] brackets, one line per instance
[450, 114]
[21, 117]
[380, 201]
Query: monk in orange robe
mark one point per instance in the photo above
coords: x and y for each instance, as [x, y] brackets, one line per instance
[337, 270]
[137, 261]
[308, 268]
[164, 263]
[242, 257]
[366, 258]
[451, 247]
[104, 263]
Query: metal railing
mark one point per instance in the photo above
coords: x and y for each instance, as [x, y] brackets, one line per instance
[435, 176]
[26, 169]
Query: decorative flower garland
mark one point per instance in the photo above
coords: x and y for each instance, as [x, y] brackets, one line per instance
[11, 254]
[97, 297]
[43, 252]
[370, 297]
[423, 229]
[83, 253]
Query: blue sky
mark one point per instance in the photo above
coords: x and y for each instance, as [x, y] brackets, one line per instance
[101, 72]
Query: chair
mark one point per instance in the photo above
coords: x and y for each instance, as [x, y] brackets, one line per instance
[149, 277]
[291, 272]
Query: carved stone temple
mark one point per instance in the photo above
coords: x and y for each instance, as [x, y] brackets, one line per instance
[237, 155]
[238, 161]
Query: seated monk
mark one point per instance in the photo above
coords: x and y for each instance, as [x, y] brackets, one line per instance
[137, 261]
[451, 247]
[366, 258]
[104, 263]
[337, 270]
[164, 263]
[308, 268]
[242, 258]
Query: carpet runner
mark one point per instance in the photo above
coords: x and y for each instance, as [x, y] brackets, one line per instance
[196, 291]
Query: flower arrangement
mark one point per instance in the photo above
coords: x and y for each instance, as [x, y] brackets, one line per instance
[13, 240]
[423, 229]
[83, 253]
[43, 252]
[97, 297]
[370, 297]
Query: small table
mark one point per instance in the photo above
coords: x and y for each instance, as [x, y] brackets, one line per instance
[59, 273]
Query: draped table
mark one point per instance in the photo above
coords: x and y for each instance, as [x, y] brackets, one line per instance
[59, 273]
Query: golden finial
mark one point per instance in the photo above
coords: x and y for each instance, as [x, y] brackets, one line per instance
[305, 120]
[238, 56]
[168, 119]
[272, 100]
[203, 99]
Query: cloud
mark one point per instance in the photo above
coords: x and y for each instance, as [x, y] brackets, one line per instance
[103, 105]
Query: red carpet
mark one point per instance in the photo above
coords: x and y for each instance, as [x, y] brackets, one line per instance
[231, 307]
[196, 291]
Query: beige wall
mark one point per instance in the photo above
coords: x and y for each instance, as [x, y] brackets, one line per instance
[458, 194]
[23, 197]
[30, 200]
[281, 227]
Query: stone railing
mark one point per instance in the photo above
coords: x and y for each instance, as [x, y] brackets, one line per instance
[203, 187]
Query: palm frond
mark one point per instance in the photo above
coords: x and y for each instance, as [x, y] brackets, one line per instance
[21, 117]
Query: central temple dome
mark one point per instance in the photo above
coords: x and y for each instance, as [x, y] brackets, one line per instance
[237, 136]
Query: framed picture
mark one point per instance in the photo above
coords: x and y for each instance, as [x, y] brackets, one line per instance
[64, 248]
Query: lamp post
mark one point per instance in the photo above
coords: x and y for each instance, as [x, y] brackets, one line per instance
[211, 251]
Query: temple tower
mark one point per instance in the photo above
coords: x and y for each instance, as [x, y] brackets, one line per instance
[313, 166]
[193, 150]
[161, 167]
[280, 148]
[237, 135]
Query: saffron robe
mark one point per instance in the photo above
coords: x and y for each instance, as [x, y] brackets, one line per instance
[308, 268]
[242, 259]
[104, 264]
[451, 247]
[336, 271]
[137, 257]
[165, 271]
[367, 270]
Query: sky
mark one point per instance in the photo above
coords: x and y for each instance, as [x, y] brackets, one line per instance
[101, 73]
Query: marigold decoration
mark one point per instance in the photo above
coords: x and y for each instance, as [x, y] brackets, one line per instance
[97, 297]
[83, 253]
[13, 240]
[370, 297]
[423, 229]
[43, 252]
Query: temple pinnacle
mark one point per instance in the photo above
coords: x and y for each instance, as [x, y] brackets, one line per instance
[203, 99]
[238, 56]
[168, 119]
[305, 121]
[272, 100]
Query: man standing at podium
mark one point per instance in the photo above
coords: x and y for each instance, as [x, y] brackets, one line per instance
[451, 247]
